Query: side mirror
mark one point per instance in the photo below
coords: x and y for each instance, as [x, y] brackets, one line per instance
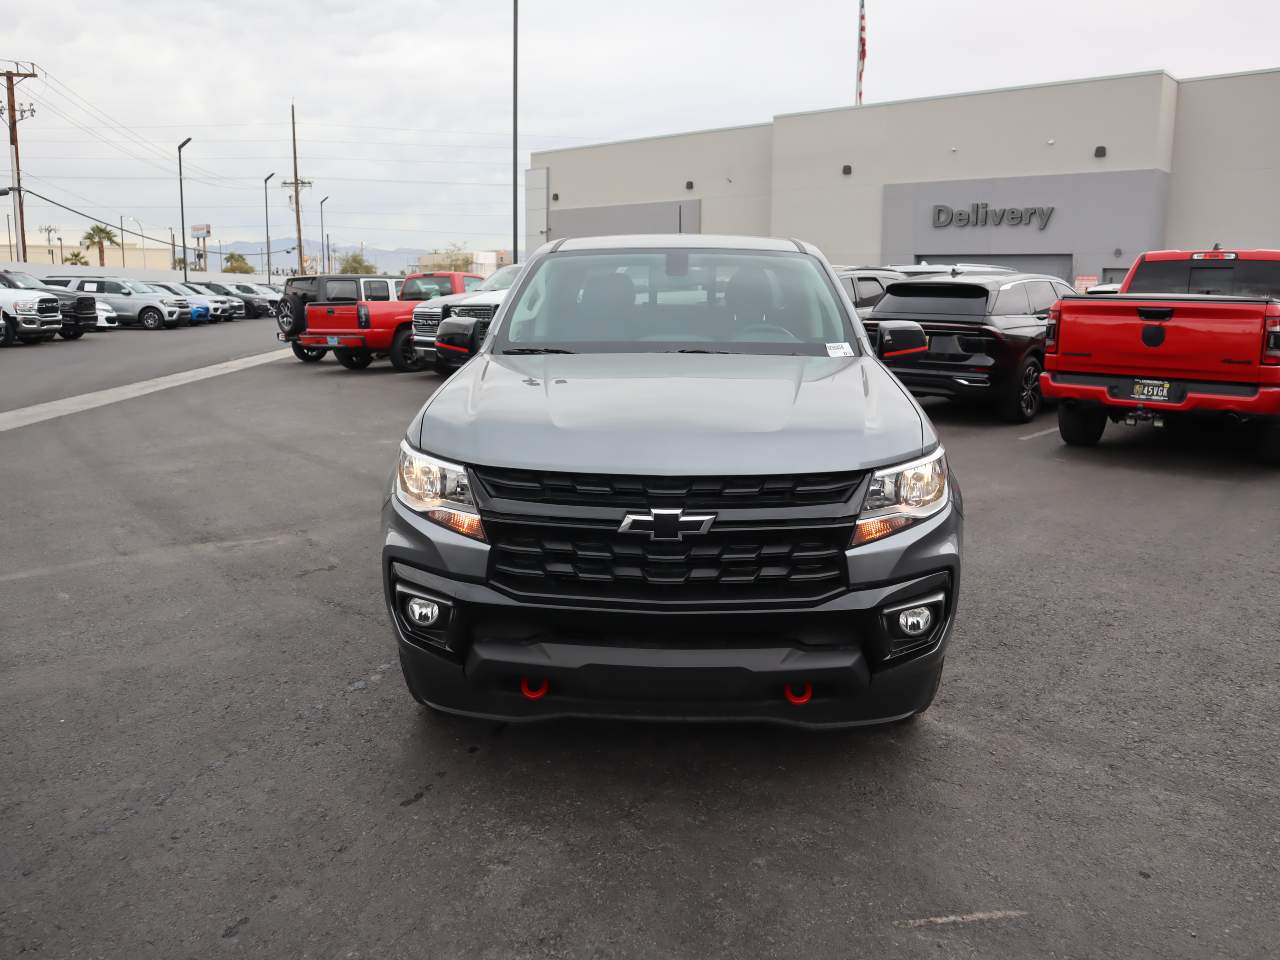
[900, 338]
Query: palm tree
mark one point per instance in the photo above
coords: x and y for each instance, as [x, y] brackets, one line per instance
[100, 235]
[75, 258]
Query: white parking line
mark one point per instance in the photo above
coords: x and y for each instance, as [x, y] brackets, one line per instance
[38, 413]
[1040, 433]
[963, 918]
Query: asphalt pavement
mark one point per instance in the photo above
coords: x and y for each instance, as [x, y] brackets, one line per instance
[207, 748]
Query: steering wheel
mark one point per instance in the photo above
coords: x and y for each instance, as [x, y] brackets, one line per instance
[771, 329]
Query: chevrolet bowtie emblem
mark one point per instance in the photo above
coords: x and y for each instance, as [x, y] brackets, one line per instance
[666, 524]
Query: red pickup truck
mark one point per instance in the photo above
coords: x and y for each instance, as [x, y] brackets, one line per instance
[360, 324]
[1190, 332]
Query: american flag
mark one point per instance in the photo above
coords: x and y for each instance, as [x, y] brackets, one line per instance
[862, 43]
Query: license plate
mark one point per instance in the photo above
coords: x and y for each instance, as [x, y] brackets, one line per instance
[1151, 389]
[334, 341]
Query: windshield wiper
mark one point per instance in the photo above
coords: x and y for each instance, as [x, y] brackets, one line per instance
[531, 350]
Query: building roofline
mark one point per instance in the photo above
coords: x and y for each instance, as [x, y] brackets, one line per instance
[894, 103]
[655, 136]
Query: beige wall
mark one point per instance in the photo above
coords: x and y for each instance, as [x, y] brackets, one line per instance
[1002, 133]
[1226, 163]
[157, 257]
[730, 170]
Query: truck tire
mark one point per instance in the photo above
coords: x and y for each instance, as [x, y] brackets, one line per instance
[74, 334]
[1081, 425]
[353, 359]
[8, 332]
[308, 354]
[1022, 400]
[442, 367]
[405, 357]
[1268, 446]
[291, 318]
[151, 318]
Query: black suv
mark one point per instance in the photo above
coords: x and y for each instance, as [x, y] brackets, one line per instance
[866, 286]
[79, 311]
[986, 336]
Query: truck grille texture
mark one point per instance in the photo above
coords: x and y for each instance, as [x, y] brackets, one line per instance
[480, 312]
[704, 493]
[48, 307]
[733, 563]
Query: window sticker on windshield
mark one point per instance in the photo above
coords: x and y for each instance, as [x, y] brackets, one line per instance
[839, 350]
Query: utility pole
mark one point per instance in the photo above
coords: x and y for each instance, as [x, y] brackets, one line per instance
[297, 204]
[182, 210]
[173, 251]
[62, 255]
[48, 239]
[8, 236]
[515, 129]
[324, 253]
[142, 241]
[10, 78]
[266, 218]
[122, 263]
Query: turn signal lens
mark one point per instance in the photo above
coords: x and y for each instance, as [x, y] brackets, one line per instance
[467, 524]
[878, 527]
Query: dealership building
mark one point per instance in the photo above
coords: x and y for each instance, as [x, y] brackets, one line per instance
[1072, 178]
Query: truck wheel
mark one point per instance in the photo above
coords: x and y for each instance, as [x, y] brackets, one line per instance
[404, 355]
[8, 335]
[291, 318]
[1023, 400]
[75, 333]
[151, 318]
[1268, 448]
[308, 354]
[353, 359]
[1081, 425]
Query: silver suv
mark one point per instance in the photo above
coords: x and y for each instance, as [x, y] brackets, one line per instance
[675, 481]
[135, 302]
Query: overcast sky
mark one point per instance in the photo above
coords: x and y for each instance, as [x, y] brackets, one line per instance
[404, 107]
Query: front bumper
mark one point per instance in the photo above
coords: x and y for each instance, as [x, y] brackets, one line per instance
[1186, 396]
[709, 664]
[29, 323]
[955, 384]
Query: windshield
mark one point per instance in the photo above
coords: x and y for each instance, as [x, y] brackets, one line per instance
[22, 281]
[501, 279]
[217, 288]
[163, 286]
[1220, 278]
[679, 300]
[194, 289]
[139, 287]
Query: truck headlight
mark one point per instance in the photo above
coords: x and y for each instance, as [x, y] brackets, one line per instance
[104, 309]
[25, 306]
[438, 490]
[902, 495]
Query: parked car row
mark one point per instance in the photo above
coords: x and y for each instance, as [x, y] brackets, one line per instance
[85, 303]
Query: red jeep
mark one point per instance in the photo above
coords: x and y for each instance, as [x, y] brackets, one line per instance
[1188, 333]
[360, 320]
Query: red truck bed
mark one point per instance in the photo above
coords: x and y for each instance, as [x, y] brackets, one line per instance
[1147, 355]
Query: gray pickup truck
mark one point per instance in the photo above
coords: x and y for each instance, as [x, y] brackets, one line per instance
[676, 481]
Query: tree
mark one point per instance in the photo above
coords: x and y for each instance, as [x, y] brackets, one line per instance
[100, 235]
[456, 258]
[75, 258]
[355, 263]
[236, 263]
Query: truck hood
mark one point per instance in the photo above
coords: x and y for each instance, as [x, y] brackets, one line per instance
[673, 414]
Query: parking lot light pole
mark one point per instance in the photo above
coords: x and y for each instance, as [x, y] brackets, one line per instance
[515, 128]
[324, 247]
[266, 216]
[182, 210]
[62, 257]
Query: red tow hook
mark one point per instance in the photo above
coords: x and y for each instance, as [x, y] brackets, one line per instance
[798, 699]
[534, 693]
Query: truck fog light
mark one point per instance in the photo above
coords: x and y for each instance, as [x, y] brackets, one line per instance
[915, 621]
[421, 613]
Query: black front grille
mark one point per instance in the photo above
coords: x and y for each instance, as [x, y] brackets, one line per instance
[716, 493]
[735, 563]
[479, 312]
[48, 307]
[86, 307]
